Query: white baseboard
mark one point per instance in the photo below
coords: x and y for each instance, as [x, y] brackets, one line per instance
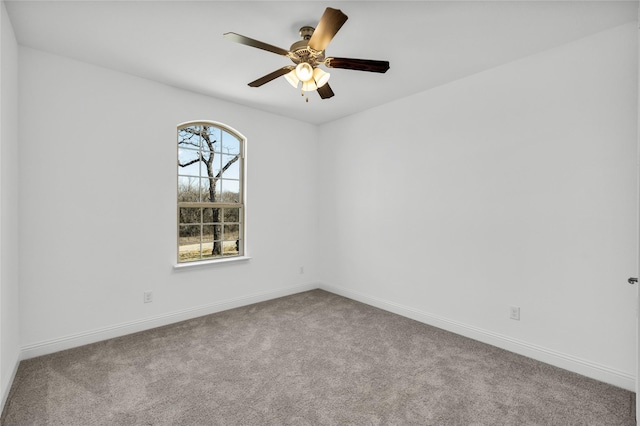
[92, 336]
[7, 388]
[581, 366]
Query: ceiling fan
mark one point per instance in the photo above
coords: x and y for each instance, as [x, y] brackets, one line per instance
[307, 54]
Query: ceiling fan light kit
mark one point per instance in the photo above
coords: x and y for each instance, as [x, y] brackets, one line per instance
[307, 54]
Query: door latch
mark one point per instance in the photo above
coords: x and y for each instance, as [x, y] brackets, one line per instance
[632, 280]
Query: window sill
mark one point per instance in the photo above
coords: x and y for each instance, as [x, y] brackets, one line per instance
[211, 262]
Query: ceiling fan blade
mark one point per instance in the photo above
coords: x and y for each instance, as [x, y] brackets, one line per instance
[271, 76]
[358, 64]
[325, 91]
[331, 21]
[255, 43]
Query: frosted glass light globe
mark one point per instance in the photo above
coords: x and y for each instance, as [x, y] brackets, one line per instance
[292, 78]
[321, 78]
[304, 71]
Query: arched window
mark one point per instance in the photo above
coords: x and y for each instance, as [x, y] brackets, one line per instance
[211, 206]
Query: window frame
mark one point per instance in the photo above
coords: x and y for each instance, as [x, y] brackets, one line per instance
[203, 204]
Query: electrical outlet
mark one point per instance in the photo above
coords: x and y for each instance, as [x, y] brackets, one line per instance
[148, 297]
[514, 313]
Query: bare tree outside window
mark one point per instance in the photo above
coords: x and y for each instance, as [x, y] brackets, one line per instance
[210, 196]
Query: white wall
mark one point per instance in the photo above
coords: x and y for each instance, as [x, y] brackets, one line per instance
[98, 205]
[512, 187]
[9, 331]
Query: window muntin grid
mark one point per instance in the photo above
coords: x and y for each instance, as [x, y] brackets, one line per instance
[210, 192]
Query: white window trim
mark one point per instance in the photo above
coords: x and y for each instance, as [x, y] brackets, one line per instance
[209, 262]
[243, 155]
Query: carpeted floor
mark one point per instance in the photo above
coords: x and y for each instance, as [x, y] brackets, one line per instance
[313, 358]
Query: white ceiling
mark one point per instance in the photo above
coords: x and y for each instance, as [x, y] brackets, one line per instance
[428, 43]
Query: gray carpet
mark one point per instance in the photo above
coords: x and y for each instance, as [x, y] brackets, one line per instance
[313, 358]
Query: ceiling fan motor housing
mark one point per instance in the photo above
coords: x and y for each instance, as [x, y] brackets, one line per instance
[301, 52]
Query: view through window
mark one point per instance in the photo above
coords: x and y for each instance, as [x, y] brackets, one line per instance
[210, 192]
